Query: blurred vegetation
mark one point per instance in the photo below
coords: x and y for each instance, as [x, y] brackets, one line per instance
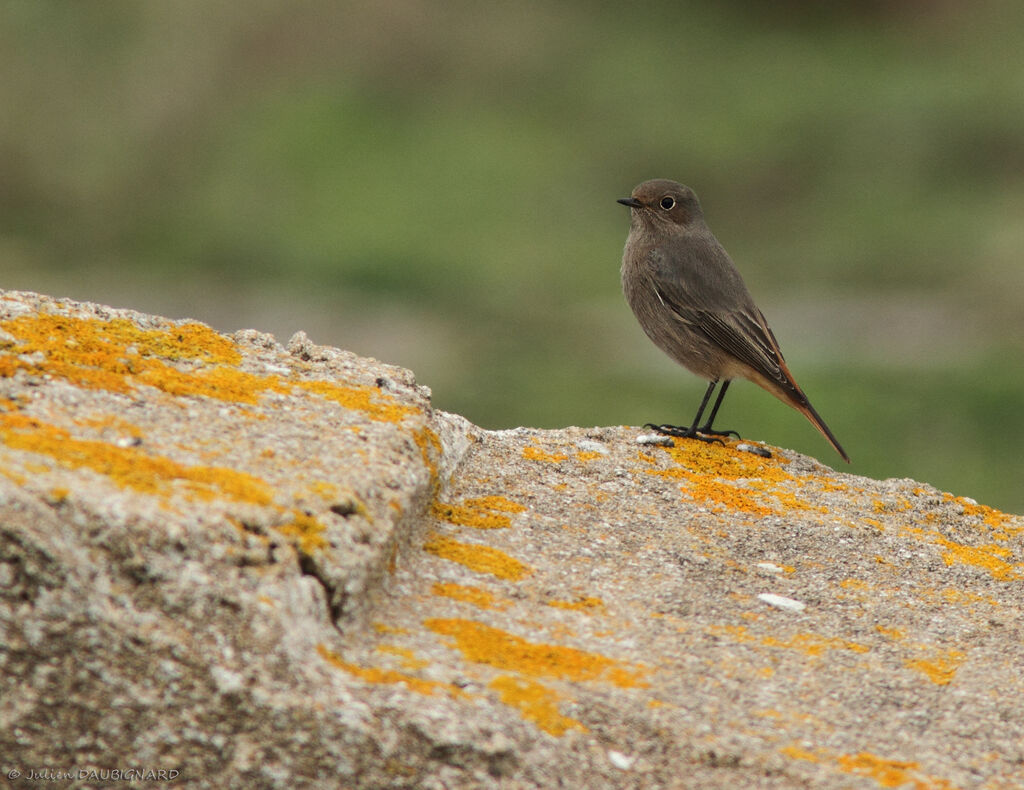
[434, 185]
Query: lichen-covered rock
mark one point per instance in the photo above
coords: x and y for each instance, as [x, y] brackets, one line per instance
[258, 566]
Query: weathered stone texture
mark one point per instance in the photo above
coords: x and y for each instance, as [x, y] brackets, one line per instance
[267, 566]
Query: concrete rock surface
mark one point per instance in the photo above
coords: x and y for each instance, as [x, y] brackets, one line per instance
[246, 565]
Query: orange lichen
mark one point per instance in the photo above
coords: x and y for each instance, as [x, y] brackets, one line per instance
[587, 604]
[117, 355]
[727, 479]
[114, 423]
[810, 644]
[387, 676]
[479, 598]
[130, 467]
[888, 773]
[588, 455]
[468, 516]
[407, 656]
[537, 454]
[482, 559]
[988, 556]
[67, 338]
[894, 634]
[430, 448]
[535, 702]
[799, 753]
[814, 644]
[496, 502]
[885, 772]
[941, 669]
[371, 401]
[992, 517]
[384, 628]
[483, 644]
[323, 489]
[306, 532]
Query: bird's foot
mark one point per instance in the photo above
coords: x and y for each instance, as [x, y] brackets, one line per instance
[687, 432]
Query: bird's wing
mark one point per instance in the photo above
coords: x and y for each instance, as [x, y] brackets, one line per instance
[713, 300]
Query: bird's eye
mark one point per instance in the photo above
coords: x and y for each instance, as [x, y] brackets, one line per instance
[668, 202]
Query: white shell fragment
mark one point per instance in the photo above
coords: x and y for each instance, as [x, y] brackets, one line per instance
[782, 602]
[621, 761]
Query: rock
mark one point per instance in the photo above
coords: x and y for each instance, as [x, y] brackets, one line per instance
[267, 566]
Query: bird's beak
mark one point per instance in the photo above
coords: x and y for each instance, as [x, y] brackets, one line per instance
[632, 202]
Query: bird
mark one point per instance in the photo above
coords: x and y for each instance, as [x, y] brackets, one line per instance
[691, 301]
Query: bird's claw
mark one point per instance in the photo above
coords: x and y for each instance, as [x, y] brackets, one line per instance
[688, 432]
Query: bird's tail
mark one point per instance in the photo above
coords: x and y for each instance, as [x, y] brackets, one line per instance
[795, 397]
[808, 411]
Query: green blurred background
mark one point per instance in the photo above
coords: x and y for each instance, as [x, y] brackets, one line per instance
[433, 184]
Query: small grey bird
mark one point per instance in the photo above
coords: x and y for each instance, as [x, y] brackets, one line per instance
[691, 301]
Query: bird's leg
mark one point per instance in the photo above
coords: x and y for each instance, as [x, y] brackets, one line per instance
[691, 431]
[706, 427]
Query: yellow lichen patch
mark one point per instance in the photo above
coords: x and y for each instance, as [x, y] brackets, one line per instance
[371, 401]
[814, 644]
[129, 467]
[430, 448]
[480, 512]
[537, 454]
[482, 559]
[940, 669]
[306, 531]
[91, 340]
[730, 497]
[384, 628]
[112, 422]
[810, 644]
[117, 355]
[496, 502]
[323, 489]
[885, 772]
[737, 633]
[989, 556]
[587, 604]
[409, 660]
[799, 753]
[588, 455]
[222, 383]
[888, 773]
[994, 518]
[895, 634]
[388, 676]
[535, 702]
[726, 479]
[479, 598]
[483, 644]
[9, 404]
[468, 516]
[953, 595]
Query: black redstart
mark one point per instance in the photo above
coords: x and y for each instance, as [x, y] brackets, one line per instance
[691, 301]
